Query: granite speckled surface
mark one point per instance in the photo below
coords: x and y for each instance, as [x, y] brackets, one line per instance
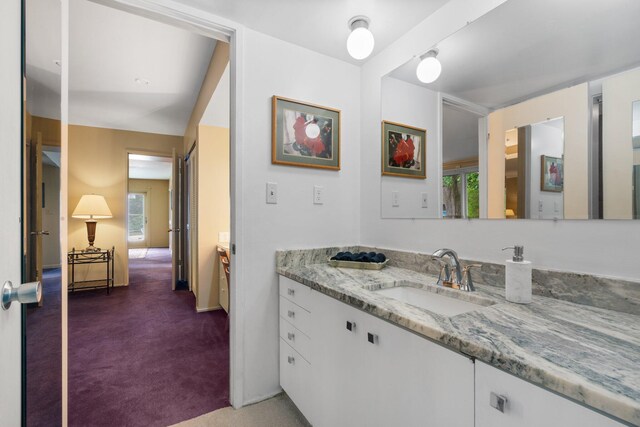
[588, 354]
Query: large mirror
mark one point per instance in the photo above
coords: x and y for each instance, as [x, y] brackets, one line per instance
[530, 117]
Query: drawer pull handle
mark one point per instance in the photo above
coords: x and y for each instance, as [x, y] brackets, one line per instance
[372, 338]
[498, 401]
[291, 360]
[351, 326]
[291, 336]
[291, 292]
[291, 314]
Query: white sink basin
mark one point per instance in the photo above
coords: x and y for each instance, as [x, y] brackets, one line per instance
[431, 301]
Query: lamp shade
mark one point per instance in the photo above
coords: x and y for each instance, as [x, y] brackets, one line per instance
[92, 206]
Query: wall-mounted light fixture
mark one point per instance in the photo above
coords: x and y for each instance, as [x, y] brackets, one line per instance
[360, 42]
[429, 68]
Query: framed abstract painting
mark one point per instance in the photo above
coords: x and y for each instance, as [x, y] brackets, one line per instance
[403, 150]
[305, 135]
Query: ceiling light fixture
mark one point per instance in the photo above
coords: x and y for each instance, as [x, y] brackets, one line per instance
[429, 68]
[360, 42]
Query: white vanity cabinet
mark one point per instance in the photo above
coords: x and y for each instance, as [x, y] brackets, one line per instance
[378, 374]
[527, 405]
[296, 375]
[363, 371]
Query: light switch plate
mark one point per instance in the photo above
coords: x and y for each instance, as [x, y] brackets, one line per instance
[318, 195]
[395, 199]
[425, 200]
[272, 193]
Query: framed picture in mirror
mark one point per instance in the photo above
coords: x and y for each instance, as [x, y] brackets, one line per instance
[551, 173]
[403, 150]
[305, 134]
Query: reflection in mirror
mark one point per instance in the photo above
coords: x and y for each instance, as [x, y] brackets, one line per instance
[541, 70]
[635, 138]
[460, 184]
[534, 171]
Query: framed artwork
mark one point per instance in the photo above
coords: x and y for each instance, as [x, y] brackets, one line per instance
[305, 135]
[551, 173]
[403, 150]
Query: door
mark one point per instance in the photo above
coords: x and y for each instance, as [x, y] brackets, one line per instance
[11, 119]
[33, 207]
[175, 203]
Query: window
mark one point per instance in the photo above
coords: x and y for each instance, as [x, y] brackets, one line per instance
[460, 194]
[136, 217]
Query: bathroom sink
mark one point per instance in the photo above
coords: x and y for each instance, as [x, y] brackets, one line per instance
[431, 300]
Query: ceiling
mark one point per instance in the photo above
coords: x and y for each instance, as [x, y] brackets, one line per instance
[323, 26]
[149, 167]
[109, 49]
[525, 48]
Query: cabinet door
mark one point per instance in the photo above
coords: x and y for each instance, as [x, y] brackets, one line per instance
[528, 405]
[417, 382]
[340, 365]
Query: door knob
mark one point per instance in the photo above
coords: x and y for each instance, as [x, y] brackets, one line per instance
[40, 233]
[24, 294]
[177, 230]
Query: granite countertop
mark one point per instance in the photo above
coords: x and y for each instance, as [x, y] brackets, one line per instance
[588, 354]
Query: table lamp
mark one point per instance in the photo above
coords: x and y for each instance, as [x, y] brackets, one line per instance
[92, 207]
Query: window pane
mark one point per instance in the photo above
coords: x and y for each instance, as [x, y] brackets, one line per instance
[136, 217]
[473, 196]
[452, 196]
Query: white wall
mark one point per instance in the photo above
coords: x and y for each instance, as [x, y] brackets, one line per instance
[274, 67]
[545, 140]
[583, 246]
[414, 106]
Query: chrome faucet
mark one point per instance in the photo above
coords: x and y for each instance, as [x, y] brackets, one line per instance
[453, 261]
[454, 264]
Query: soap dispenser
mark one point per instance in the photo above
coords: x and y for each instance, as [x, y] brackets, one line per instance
[518, 277]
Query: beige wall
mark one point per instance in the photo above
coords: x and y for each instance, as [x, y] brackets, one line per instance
[98, 164]
[157, 191]
[618, 94]
[213, 209]
[572, 104]
[51, 216]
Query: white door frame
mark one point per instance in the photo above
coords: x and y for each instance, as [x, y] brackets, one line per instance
[225, 30]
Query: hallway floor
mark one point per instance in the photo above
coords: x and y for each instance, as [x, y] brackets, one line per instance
[142, 356]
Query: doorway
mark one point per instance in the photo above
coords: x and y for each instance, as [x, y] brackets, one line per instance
[460, 161]
[158, 347]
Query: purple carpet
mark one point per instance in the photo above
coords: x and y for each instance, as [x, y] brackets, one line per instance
[142, 356]
[44, 356]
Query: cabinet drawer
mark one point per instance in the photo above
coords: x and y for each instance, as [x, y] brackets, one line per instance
[527, 405]
[296, 339]
[296, 315]
[295, 379]
[296, 292]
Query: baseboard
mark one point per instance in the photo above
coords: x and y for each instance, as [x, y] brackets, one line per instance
[263, 397]
[203, 310]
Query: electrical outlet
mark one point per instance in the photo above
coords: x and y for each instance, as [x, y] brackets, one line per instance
[425, 200]
[318, 195]
[395, 199]
[540, 206]
[272, 193]
[556, 206]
